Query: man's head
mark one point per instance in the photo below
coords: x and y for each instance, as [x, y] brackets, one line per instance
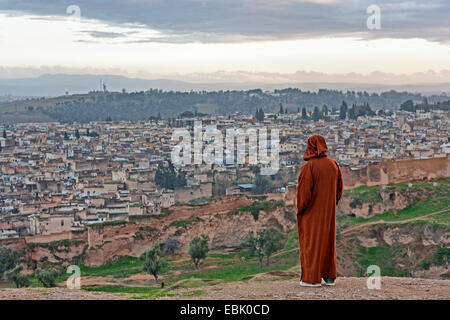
[316, 147]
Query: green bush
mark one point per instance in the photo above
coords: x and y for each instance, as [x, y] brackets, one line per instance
[8, 259]
[19, 279]
[355, 203]
[47, 277]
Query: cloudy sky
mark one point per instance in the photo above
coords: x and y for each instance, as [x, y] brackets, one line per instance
[219, 38]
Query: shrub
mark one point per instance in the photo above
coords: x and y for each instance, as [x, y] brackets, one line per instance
[170, 246]
[8, 259]
[19, 279]
[355, 203]
[47, 277]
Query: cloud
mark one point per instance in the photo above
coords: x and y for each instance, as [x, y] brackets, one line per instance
[103, 34]
[181, 21]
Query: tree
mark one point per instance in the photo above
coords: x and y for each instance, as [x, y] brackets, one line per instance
[166, 177]
[66, 136]
[4, 134]
[262, 184]
[408, 106]
[316, 114]
[304, 115]
[426, 106]
[14, 275]
[198, 249]
[77, 134]
[259, 115]
[281, 109]
[47, 277]
[255, 170]
[171, 246]
[325, 110]
[153, 263]
[352, 115]
[255, 245]
[343, 111]
[266, 242]
[8, 259]
[273, 243]
[185, 114]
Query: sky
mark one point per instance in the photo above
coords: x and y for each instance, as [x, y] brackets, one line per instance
[222, 40]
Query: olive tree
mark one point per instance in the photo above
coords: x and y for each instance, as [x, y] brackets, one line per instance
[255, 245]
[198, 249]
[153, 263]
[264, 244]
[273, 243]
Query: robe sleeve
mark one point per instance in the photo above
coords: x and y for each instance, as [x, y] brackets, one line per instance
[340, 186]
[304, 189]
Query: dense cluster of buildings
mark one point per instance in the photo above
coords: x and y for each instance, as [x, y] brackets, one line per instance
[61, 177]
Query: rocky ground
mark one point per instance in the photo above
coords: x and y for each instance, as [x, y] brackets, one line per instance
[54, 294]
[275, 286]
[345, 289]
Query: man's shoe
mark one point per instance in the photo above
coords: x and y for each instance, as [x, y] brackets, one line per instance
[329, 281]
[311, 285]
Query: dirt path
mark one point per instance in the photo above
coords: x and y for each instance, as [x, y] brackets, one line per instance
[345, 289]
[362, 225]
[55, 294]
[267, 286]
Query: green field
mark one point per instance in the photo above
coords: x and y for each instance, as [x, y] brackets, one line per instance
[216, 268]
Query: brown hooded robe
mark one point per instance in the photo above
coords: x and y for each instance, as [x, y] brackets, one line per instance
[318, 192]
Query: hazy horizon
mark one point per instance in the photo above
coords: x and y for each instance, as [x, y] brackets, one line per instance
[229, 41]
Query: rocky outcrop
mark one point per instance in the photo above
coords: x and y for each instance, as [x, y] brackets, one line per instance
[407, 248]
[385, 200]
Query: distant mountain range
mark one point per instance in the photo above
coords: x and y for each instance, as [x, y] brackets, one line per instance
[58, 84]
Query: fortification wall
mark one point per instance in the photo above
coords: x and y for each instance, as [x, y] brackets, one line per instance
[204, 190]
[387, 172]
[397, 171]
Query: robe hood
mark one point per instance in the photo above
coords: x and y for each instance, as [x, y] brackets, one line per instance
[316, 148]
